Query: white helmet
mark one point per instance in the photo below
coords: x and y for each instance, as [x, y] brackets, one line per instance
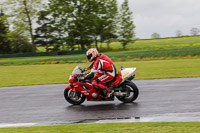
[91, 54]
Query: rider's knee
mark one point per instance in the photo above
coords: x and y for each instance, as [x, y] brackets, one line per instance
[96, 82]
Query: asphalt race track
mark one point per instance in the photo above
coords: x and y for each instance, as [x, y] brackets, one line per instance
[45, 103]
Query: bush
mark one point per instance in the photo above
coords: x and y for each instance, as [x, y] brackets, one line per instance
[20, 43]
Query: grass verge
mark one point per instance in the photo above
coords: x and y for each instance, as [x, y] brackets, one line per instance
[146, 44]
[153, 127]
[59, 73]
[115, 56]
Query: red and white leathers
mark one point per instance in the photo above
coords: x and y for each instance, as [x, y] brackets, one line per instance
[102, 71]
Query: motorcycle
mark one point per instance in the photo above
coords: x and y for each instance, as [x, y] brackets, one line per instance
[122, 87]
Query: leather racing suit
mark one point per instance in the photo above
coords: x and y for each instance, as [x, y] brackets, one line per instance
[102, 71]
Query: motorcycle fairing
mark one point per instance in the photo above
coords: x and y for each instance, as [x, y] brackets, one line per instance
[126, 73]
[86, 92]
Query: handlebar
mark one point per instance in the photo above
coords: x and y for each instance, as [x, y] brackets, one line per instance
[83, 70]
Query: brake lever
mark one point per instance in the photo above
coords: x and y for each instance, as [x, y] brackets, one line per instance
[81, 70]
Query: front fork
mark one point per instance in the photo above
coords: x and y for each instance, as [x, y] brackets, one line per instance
[74, 94]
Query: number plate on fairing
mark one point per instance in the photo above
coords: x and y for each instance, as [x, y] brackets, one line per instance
[127, 72]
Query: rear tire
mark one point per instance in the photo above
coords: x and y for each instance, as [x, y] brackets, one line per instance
[130, 88]
[75, 98]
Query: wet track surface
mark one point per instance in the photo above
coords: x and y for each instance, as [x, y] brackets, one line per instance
[45, 103]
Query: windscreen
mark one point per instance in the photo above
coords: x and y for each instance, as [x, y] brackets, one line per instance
[77, 69]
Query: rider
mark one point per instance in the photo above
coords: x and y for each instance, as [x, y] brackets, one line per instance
[102, 70]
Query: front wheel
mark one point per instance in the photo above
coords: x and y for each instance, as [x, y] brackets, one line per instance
[131, 90]
[75, 98]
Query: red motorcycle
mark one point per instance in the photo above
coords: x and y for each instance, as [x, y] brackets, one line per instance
[122, 87]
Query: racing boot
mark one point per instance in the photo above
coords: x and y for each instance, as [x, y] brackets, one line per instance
[108, 93]
[104, 92]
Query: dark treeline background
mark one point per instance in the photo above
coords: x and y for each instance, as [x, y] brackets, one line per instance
[63, 24]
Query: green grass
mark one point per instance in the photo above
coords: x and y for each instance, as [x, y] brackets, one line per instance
[43, 60]
[140, 49]
[158, 58]
[178, 42]
[59, 73]
[150, 44]
[115, 56]
[153, 127]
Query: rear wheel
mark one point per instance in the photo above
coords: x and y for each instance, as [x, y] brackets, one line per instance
[131, 90]
[75, 98]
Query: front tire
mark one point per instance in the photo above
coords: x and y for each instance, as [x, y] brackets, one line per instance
[132, 92]
[75, 98]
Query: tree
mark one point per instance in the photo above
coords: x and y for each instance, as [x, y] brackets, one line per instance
[102, 20]
[194, 31]
[109, 22]
[4, 39]
[19, 43]
[97, 19]
[126, 31]
[23, 14]
[155, 35]
[83, 22]
[179, 33]
[71, 21]
[43, 33]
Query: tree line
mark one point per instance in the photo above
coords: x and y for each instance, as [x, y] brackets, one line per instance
[193, 32]
[11, 42]
[61, 23]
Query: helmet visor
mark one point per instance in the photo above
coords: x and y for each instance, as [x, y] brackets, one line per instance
[89, 57]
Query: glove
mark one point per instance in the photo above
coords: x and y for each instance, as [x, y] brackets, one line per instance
[81, 78]
[85, 69]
